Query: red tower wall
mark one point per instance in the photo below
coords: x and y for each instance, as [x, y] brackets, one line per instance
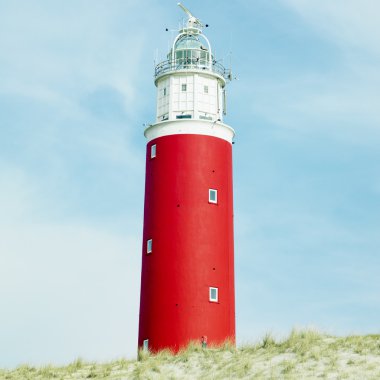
[192, 243]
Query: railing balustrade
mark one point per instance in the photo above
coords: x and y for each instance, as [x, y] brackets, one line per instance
[192, 64]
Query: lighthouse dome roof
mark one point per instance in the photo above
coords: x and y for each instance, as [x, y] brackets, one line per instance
[189, 41]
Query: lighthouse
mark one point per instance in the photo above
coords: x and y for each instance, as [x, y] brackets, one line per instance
[187, 275]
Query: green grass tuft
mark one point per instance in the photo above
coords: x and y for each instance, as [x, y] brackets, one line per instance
[304, 354]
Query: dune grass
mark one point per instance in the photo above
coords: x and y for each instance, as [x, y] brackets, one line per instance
[305, 354]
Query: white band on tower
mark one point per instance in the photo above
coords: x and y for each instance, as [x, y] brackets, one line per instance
[190, 127]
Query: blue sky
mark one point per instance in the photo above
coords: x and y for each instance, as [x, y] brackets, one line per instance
[76, 87]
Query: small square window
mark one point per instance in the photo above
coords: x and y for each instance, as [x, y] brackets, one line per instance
[213, 295]
[164, 91]
[146, 345]
[184, 87]
[149, 246]
[205, 89]
[153, 151]
[213, 196]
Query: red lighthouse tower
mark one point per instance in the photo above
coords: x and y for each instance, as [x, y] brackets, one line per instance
[187, 279]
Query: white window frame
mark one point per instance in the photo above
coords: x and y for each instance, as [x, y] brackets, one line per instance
[205, 89]
[149, 246]
[153, 151]
[217, 294]
[146, 345]
[210, 191]
[184, 87]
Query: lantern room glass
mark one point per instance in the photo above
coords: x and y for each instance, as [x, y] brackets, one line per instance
[189, 52]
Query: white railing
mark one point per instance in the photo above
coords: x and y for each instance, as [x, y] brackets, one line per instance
[192, 64]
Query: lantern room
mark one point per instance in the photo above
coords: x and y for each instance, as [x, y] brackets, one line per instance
[191, 82]
[191, 52]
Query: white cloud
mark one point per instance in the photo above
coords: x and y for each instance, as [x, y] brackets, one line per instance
[54, 52]
[342, 105]
[69, 273]
[53, 59]
[67, 291]
[349, 23]
[302, 266]
[339, 99]
[20, 195]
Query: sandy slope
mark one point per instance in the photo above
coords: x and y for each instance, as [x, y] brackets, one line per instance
[304, 355]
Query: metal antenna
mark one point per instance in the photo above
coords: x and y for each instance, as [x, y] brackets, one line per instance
[185, 10]
[192, 21]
